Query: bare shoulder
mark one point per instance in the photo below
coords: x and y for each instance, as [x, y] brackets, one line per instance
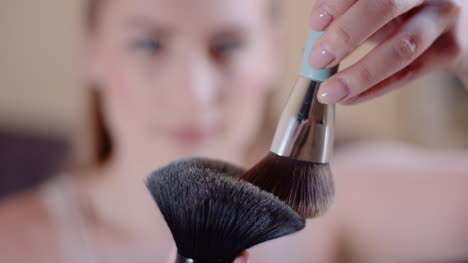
[26, 226]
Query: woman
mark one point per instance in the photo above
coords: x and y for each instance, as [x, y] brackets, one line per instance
[175, 79]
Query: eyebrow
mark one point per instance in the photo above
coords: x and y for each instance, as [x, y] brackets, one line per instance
[149, 24]
[232, 30]
[162, 28]
[229, 31]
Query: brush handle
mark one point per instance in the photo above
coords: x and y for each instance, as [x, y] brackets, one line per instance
[306, 70]
[306, 128]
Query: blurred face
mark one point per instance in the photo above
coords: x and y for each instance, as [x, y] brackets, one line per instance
[183, 78]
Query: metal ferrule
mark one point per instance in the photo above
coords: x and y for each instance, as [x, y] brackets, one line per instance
[182, 259]
[306, 127]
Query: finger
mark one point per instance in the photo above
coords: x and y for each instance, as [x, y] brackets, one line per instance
[326, 11]
[242, 258]
[353, 28]
[406, 75]
[441, 56]
[393, 26]
[388, 30]
[416, 36]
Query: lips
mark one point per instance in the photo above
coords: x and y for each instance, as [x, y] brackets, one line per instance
[189, 135]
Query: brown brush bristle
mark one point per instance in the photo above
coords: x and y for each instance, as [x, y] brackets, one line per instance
[305, 186]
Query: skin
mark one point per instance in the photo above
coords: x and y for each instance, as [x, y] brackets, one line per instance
[412, 37]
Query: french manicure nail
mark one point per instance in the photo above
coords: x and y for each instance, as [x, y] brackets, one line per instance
[333, 92]
[319, 58]
[320, 19]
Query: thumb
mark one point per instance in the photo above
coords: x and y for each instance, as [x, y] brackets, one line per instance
[242, 258]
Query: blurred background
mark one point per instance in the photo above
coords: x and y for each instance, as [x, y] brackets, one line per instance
[44, 107]
[42, 94]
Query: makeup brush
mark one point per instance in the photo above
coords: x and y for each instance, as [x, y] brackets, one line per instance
[214, 216]
[297, 169]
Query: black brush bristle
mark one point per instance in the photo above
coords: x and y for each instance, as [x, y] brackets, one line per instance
[305, 186]
[213, 216]
[209, 165]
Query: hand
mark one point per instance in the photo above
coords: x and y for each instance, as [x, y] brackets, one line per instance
[413, 37]
[243, 258]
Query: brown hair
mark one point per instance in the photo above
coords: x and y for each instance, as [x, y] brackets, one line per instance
[92, 13]
[101, 136]
[102, 142]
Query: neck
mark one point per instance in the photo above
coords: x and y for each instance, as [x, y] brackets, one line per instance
[118, 196]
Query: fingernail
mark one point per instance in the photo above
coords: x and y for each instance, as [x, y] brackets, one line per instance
[319, 58]
[320, 18]
[333, 92]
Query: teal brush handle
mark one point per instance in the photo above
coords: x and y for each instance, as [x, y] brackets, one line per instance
[306, 70]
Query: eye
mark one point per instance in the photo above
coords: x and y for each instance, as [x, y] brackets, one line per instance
[225, 47]
[149, 46]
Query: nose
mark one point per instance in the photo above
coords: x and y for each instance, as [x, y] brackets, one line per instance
[198, 85]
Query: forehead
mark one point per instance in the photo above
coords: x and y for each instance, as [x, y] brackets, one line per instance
[190, 13]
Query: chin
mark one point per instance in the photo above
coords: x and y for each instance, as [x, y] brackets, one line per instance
[213, 151]
[182, 149]
[215, 146]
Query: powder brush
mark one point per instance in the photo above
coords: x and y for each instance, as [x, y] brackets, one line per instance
[297, 168]
[213, 216]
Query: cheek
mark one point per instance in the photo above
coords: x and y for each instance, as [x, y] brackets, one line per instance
[250, 81]
[245, 109]
[126, 88]
[124, 81]
[132, 84]
[258, 68]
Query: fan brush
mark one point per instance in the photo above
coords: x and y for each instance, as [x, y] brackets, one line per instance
[297, 169]
[213, 216]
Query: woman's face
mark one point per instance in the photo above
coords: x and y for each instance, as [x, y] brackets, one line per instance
[183, 78]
